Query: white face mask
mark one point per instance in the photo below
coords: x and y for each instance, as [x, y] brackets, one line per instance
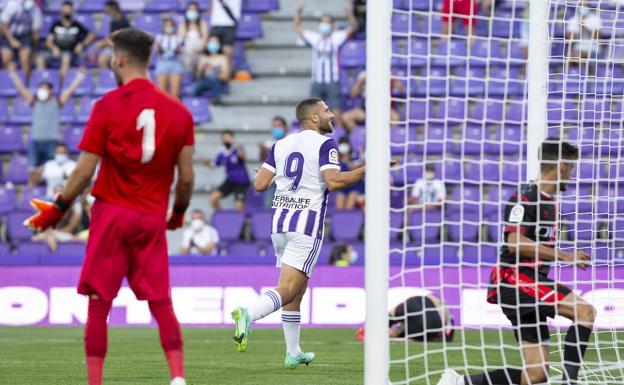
[60, 158]
[344, 148]
[169, 30]
[354, 256]
[197, 224]
[43, 94]
[29, 4]
[429, 175]
[192, 15]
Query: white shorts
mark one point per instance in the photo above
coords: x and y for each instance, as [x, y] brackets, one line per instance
[296, 250]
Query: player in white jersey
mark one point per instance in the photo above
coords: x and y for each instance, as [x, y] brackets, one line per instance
[305, 167]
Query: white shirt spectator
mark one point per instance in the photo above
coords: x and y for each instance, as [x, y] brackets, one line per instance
[192, 239]
[586, 24]
[19, 20]
[325, 54]
[220, 18]
[429, 191]
[56, 173]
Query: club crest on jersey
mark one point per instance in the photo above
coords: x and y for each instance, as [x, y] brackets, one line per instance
[333, 156]
[517, 214]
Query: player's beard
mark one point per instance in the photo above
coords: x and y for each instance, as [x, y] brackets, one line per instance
[563, 186]
[117, 75]
[326, 126]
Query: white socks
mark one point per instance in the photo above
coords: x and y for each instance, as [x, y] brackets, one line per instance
[290, 322]
[268, 303]
[460, 381]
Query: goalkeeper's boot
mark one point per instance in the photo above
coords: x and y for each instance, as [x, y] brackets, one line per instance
[291, 362]
[449, 377]
[243, 328]
[178, 381]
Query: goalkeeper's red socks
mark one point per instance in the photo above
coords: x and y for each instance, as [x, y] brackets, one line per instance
[170, 335]
[576, 342]
[96, 339]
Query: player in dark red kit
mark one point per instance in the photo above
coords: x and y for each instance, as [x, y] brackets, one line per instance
[140, 135]
[520, 284]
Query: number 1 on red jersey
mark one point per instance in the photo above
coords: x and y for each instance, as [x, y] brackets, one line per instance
[146, 121]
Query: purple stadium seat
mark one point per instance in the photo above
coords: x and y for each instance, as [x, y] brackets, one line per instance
[450, 171]
[450, 52]
[453, 110]
[495, 198]
[424, 226]
[480, 255]
[358, 138]
[434, 84]
[86, 19]
[249, 27]
[435, 139]
[560, 111]
[595, 110]
[46, 25]
[504, 82]
[416, 111]
[71, 138]
[430, 26]
[22, 112]
[17, 172]
[203, 4]
[261, 223]
[346, 224]
[229, 224]
[463, 227]
[85, 87]
[401, 256]
[93, 6]
[131, 5]
[243, 249]
[505, 27]
[468, 83]
[104, 82]
[260, 6]
[84, 109]
[353, 54]
[5, 251]
[7, 88]
[402, 140]
[11, 139]
[472, 141]
[148, 23]
[512, 172]
[48, 76]
[490, 110]
[464, 198]
[491, 171]
[199, 107]
[160, 6]
[401, 23]
[16, 231]
[7, 200]
[396, 224]
[73, 249]
[484, 52]
[22, 202]
[511, 136]
[68, 112]
[36, 249]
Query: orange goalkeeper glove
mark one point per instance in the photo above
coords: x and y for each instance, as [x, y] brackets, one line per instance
[176, 220]
[49, 214]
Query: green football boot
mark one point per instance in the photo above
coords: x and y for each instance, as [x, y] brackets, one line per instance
[291, 362]
[243, 328]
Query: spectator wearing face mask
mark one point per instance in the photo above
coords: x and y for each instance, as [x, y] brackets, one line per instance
[279, 128]
[583, 32]
[348, 198]
[169, 67]
[194, 32]
[342, 255]
[46, 106]
[65, 42]
[237, 182]
[200, 238]
[428, 192]
[117, 21]
[56, 171]
[212, 71]
[224, 17]
[20, 22]
[325, 45]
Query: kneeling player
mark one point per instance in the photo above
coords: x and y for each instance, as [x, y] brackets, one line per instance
[520, 283]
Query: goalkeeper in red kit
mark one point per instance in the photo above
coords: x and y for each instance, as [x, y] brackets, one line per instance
[139, 135]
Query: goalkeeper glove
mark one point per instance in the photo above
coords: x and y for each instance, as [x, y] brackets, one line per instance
[48, 214]
[176, 220]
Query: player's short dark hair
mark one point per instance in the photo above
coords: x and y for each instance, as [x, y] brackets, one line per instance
[197, 211]
[47, 84]
[67, 2]
[135, 43]
[553, 149]
[344, 139]
[330, 17]
[61, 145]
[113, 5]
[281, 119]
[429, 167]
[304, 108]
[227, 132]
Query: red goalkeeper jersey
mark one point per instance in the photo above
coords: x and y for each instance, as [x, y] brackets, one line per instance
[138, 131]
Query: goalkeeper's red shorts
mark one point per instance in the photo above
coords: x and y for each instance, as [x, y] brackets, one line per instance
[125, 243]
[463, 9]
[527, 298]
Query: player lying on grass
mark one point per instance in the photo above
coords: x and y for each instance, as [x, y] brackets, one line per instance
[139, 135]
[305, 166]
[520, 283]
[419, 318]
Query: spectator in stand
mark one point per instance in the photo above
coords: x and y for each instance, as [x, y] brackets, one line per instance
[465, 10]
[232, 157]
[66, 41]
[46, 106]
[428, 192]
[279, 128]
[583, 33]
[21, 23]
[325, 46]
[213, 70]
[224, 17]
[357, 115]
[359, 11]
[67, 228]
[194, 32]
[87, 202]
[348, 198]
[200, 238]
[56, 171]
[117, 22]
[342, 255]
[169, 67]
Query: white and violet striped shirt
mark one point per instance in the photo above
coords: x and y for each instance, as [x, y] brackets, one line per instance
[300, 200]
[325, 54]
[19, 20]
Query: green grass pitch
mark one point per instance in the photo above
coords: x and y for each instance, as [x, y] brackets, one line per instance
[34, 356]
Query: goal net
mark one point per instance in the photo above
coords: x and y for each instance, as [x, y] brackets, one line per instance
[474, 107]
